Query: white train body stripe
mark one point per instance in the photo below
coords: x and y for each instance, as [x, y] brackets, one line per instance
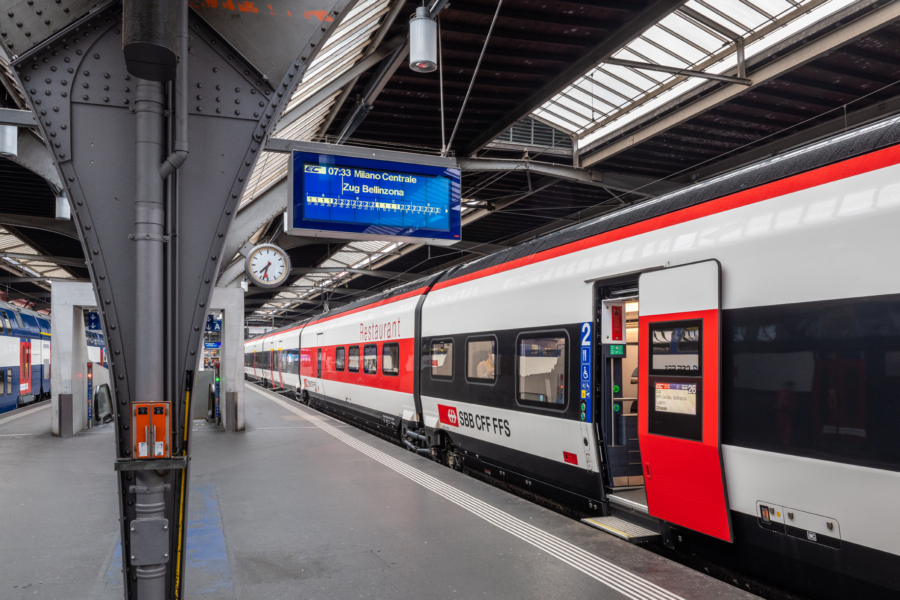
[801, 247]
[861, 499]
[540, 435]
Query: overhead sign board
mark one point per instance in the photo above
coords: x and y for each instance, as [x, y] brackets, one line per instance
[365, 194]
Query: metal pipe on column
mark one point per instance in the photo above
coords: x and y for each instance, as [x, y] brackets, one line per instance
[149, 273]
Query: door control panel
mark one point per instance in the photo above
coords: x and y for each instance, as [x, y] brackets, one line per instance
[151, 424]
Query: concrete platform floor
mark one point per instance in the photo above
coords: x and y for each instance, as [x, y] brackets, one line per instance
[303, 506]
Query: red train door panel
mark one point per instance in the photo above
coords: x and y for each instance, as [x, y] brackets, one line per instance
[24, 368]
[678, 420]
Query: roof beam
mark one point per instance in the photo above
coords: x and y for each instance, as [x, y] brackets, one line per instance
[876, 19]
[17, 118]
[372, 273]
[345, 78]
[249, 219]
[66, 228]
[614, 181]
[56, 260]
[305, 288]
[609, 46]
[40, 279]
[633, 64]
[392, 14]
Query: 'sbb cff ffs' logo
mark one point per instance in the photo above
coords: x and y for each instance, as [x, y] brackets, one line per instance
[448, 415]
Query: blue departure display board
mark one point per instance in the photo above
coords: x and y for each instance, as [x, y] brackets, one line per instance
[363, 198]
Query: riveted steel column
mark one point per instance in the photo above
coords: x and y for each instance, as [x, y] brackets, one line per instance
[149, 220]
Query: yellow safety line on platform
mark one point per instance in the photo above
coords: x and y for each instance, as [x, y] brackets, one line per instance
[187, 424]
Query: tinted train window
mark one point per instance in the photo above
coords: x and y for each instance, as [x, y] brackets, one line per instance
[481, 359]
[442, 359]
[390, 359]
[675, 346]
[339, 359]
[817, 379]
[541, 369]
[353, 365]
[292, 362]
[9, 381]
[2, 383]
[370, 359]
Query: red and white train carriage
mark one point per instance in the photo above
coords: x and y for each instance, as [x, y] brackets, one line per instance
[725, 358]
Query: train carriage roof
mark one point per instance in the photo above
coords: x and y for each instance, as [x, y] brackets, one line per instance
[820, 154]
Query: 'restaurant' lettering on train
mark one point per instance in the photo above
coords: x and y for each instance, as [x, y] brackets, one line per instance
[379, 331]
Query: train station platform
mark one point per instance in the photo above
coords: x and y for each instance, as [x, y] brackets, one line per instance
[301, 505]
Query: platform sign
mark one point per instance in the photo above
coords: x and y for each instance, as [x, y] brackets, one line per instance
[585, 370]
[213, 324]
[416, 199]
[210, 345]
[94, 321]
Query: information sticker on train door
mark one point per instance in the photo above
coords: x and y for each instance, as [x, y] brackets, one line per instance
[585, 370]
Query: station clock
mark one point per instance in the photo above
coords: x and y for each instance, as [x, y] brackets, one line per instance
[268, 266]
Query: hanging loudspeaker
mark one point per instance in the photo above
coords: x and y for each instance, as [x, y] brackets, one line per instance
[422, 41]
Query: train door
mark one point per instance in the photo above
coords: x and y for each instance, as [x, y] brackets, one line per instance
[679, 343]
[320, 341]
[24, 367]
[615, 392]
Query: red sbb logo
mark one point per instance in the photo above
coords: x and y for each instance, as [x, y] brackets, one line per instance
[447, 415]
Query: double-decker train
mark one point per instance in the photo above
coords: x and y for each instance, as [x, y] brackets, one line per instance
[723, 360]
[25, 355]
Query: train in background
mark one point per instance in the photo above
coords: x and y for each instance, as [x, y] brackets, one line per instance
[25, 340]
[721, 362]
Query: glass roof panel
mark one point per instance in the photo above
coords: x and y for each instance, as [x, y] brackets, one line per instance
[678, 41]
[688, 53]
[654, 54]
[696, 33]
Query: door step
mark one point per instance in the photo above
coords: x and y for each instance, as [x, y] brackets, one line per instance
[623, 529]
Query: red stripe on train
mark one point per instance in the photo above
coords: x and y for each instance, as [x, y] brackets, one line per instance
[402, 382]
[803, 181]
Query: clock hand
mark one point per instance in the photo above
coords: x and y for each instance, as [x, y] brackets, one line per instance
[266, 270]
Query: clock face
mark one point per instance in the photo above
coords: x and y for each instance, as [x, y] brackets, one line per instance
[268, 266]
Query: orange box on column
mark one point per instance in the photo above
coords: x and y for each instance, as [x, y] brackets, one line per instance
[151, 423]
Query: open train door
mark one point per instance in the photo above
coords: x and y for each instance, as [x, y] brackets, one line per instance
[679, 396]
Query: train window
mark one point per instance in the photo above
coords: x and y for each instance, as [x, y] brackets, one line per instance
[9, 381]
[675, 346]
[541, 369]
[2, 383]
[390, 359]
[292, 360]
[481, 359]
[442, 359]
[6, 320]
[339, 358]
[370, 359]
[353, 360]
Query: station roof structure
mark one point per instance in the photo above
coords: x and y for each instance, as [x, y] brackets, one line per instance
[577, 109]
[640, 98]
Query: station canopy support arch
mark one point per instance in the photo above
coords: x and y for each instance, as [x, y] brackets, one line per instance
[154, 169]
